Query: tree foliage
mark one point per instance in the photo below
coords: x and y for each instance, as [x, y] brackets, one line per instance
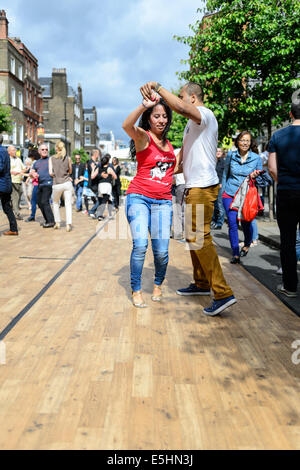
[5, 119]
[84, 156]
[175, 134]
[246, 56]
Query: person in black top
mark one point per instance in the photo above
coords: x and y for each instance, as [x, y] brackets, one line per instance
[284, 167]
[6, 190]
[105, 175]
[93, 181]
[78, 170]
[116, 190]
[219, 212]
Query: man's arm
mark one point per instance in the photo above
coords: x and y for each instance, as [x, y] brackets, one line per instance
[272, 165]
[187, 110]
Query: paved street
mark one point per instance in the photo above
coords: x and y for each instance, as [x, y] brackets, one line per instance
[81, 368]
[263, 260]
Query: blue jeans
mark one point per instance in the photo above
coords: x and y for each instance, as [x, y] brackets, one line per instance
[254, 230]
[33, 201]
[219, 212]
[78, 191]
[154, 216]
[233, 228]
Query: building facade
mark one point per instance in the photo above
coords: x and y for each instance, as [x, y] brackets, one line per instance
[12, 83]
[33, 102]
[62, 111]
[90, 130]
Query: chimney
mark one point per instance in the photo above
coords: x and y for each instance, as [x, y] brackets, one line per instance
[3, 25]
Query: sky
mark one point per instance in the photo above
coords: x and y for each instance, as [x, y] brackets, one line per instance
[109, 47]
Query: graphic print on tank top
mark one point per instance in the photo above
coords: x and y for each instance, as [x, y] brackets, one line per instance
[159, 171]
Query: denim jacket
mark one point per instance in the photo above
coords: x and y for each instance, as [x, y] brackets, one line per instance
[235, 171]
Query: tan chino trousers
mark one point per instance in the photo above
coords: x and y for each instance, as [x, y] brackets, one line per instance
[208, 273]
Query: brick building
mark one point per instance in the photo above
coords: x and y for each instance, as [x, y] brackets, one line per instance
[62, 111]
[12, 82]
[90, 130]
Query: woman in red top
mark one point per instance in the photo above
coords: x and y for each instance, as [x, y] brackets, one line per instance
[149, 199]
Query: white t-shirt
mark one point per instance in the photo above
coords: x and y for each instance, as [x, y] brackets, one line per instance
[200, 143]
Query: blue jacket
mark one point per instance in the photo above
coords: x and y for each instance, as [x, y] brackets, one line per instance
[5, 177]
[235, 171]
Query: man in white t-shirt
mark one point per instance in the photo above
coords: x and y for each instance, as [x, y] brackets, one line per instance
[197, 159]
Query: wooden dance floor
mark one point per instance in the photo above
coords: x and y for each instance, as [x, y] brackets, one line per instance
[81, 368]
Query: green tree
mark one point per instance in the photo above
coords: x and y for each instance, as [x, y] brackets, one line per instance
[246, 56]
[175, 134]
[5, 119]
[84, 156]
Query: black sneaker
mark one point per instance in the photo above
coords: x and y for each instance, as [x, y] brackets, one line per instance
[192, 290]
[30, 219]
[219, 305]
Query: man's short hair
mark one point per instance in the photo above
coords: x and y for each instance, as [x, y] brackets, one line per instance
[1, 139]
[295, 110]
[193, 88]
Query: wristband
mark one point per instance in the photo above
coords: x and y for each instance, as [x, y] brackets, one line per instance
[158, 87]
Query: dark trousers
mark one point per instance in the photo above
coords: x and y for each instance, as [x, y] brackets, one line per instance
[288, 218]
[7, 209]
[102, 204]
[43, 201]
[116, 191]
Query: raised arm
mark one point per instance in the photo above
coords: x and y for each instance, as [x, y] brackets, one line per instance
[189, 111]
[137, 134]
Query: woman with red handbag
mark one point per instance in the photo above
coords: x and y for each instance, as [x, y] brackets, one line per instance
[239, 164]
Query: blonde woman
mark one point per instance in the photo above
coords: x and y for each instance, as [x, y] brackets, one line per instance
[60, 168]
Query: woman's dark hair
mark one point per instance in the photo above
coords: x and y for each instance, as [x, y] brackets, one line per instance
[116, 159]
[253, 144]
[105, 159]
[145, 124]
[33, 153]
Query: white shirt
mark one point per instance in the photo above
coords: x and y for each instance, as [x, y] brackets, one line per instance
[200, 143]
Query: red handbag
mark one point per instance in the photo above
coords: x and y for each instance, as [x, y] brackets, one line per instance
[252, 204]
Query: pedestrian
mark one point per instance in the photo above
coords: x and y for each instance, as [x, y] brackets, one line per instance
[219, 212]
[40, 170]
[87, 193]
[149, 199]
[60, 169]
[27, 186]
[239, 164]
[93, 182]
[198, 162]
[105, 175]
[6, 190]
[284, 167]
[78, 169]
[178, 189]
[116, 190]
[17, 170]
[33, 155]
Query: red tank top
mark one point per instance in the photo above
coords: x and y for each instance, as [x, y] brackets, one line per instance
[154, 172]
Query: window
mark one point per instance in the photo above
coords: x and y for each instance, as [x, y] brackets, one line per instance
[14, 134]
[20, 99]
[20, 72]
[87, 141]
[12, 65]
[21, 135]
[87, 129]
[13, 96]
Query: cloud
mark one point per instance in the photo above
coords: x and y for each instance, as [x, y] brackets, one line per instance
[110, 47]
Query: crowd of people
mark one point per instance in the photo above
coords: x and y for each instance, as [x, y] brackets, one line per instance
[199, 176]
[52, 182]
